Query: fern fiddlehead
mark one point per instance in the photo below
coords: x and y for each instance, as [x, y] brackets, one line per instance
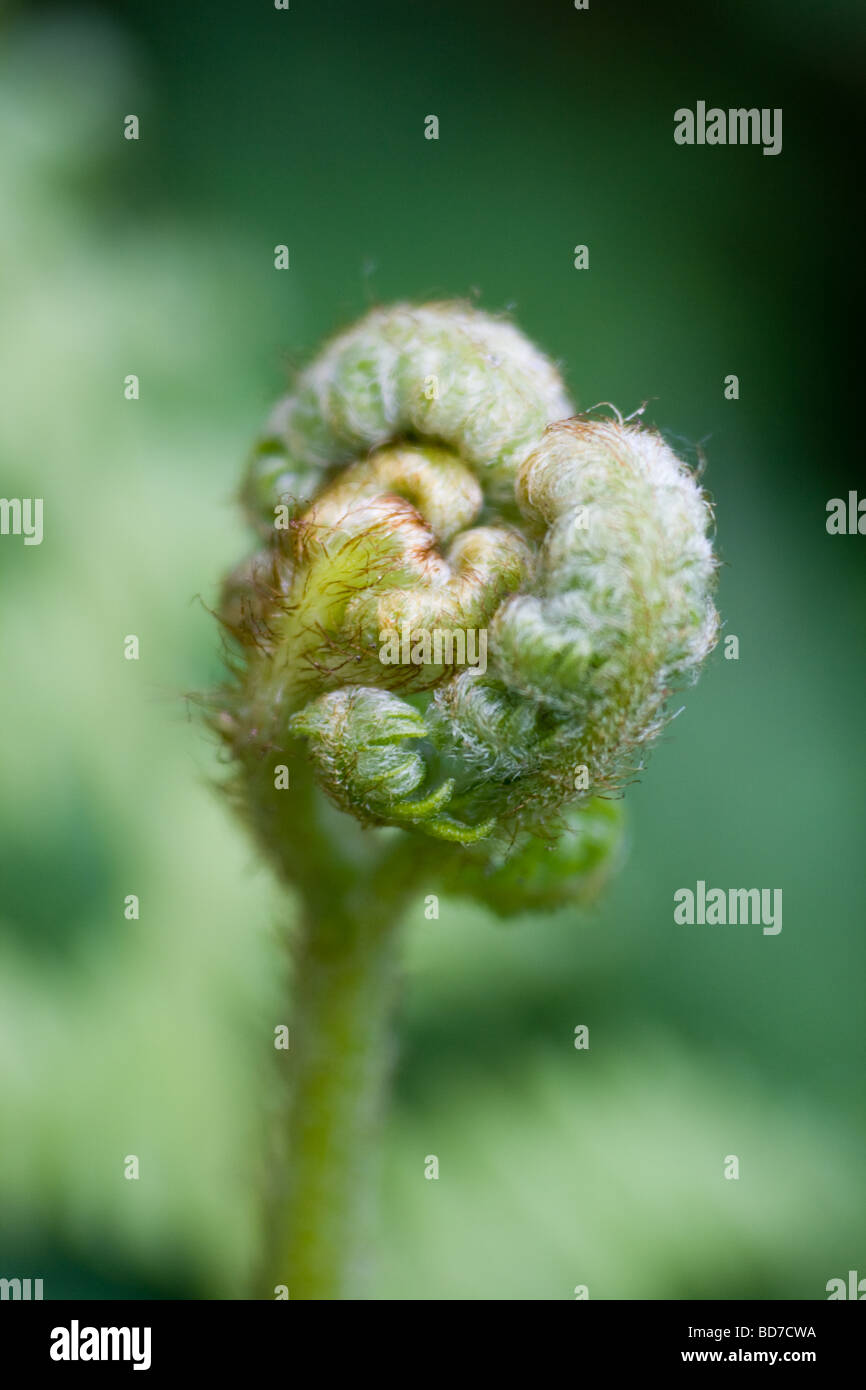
[463, 619]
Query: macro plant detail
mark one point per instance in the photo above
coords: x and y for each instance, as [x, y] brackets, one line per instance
[428, 473]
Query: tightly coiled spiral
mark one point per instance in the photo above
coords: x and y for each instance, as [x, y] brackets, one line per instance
[428, 474]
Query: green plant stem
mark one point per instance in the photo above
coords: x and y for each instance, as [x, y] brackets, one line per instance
[344, 981]
[352, 887]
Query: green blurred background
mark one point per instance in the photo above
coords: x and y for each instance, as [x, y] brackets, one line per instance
[154, 1038]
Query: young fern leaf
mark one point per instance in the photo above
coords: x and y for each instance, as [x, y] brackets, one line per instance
[428, 475]
[457, 635]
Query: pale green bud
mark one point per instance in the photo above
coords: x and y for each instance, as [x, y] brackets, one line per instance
[435, 480]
